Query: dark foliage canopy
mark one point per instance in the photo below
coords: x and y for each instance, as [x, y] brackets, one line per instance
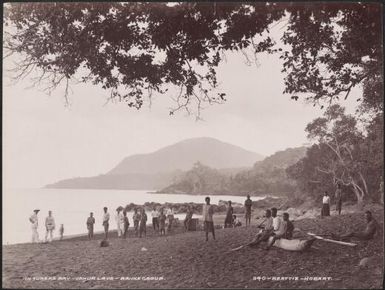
[135, 49]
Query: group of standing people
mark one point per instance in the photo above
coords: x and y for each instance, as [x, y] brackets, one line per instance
[140, 221]
[231, 220]
[160, 219]
[164, 219]
[122, 222]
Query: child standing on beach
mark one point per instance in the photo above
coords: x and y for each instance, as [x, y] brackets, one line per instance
[143, 221]
[61, 231]
[208, 212]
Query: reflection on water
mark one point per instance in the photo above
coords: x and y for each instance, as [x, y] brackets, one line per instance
[71, 207]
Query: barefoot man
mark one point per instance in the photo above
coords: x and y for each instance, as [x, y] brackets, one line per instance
[370, 229]
[248, 204]
[208, 212]
[49, 226]
[90, 225]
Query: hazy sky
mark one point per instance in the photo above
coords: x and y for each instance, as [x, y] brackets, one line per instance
[43, 141]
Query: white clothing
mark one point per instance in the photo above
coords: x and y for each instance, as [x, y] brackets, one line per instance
[106, 217]
[281, 228]
[155, 214]
[170, 212]
[326, 199]
[35, 235]
[50, 232]
[119, 217]
[208, 213]
[276, 223]
[34, 221]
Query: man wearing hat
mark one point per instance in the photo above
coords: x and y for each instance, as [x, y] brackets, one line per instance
[34, 221]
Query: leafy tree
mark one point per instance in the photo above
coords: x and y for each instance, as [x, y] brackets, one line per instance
[334, 49]
[309, 180]
[341, 155]
[373, 156]
[134, 49]
[200, 179]
[340, 134]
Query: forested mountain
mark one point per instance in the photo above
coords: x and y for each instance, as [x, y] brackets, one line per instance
[182, 156]
[267, 176]
[158, 169]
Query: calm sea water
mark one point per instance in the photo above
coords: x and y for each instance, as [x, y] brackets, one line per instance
[71, 207]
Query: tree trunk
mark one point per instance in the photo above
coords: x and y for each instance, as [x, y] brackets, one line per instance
[359, 195]
[360, 205]
[364, 183]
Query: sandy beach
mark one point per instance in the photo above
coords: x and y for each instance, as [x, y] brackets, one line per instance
[185, 260]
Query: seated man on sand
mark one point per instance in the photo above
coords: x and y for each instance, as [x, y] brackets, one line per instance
[289, 228]
[266, 231]
[368, 233]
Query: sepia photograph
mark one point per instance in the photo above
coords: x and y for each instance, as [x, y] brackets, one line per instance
[193, 145]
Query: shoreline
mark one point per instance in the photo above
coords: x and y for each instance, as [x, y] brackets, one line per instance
[224, 194]
[296, 214]
[181, 260]
[154, 191]
[113, 232]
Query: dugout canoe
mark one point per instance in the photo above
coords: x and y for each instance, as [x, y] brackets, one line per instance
[295, 245]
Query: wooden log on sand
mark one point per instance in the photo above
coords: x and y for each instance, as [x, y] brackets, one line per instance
[332, 241]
